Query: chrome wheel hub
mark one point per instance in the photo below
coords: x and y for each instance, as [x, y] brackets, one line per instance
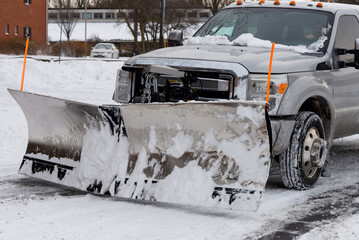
[314, 152]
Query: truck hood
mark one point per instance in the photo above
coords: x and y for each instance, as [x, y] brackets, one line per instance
[256, 60]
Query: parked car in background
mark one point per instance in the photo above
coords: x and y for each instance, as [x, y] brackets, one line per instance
[105, 50]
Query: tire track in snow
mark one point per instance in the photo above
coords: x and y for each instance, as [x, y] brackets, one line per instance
[327, 207]
[22, 188]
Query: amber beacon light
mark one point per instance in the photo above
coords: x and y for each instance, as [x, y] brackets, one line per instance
[276, 2]
[239, 2]
[292, 3]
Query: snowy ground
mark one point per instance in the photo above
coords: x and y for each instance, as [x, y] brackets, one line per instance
[33, 209]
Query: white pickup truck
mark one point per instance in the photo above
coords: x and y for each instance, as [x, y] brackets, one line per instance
[314, 88]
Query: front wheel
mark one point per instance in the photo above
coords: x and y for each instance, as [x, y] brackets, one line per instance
[302, 162]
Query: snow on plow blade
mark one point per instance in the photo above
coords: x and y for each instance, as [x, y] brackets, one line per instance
[212, 154]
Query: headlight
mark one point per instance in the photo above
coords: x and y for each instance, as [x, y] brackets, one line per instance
[123, 87]
[258, 88]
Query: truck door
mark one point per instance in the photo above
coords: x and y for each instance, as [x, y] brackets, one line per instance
[346, 79]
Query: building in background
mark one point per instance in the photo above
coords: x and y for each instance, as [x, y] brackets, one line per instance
[21, 17]
[113, 15]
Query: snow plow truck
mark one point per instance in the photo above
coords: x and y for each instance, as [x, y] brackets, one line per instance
[192, 125]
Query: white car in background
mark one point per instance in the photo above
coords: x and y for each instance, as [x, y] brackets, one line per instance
[104, 50]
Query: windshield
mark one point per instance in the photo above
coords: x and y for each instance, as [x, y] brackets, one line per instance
[103, 46]
[289, 27]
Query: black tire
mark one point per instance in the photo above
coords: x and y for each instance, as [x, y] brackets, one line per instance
[296, 170]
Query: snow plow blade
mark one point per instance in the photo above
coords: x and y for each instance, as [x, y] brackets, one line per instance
[212, 154]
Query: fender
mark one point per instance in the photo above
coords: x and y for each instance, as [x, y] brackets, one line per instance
[310, 86]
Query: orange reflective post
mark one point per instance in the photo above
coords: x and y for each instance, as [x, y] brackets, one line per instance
[269, 73]
[23, 70]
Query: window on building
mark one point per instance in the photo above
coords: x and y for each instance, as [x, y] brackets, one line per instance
[16, 30]
[110, 15]
[75, 15]
[98, 15]
[52, 15]
[27, 32]
[192, 14]
[119, 16]
[204, 15]
[87, 16]
[7, 29]
[64, 15]
[27, 2]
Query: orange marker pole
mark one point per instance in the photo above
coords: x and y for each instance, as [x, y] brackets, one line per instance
[269, 73]
[23, 70]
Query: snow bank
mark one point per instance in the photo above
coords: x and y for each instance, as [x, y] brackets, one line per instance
[64, 80]
[104, 31]
[83, 80]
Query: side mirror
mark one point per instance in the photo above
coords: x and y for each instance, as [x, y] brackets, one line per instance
[175, 38]
[356, 53]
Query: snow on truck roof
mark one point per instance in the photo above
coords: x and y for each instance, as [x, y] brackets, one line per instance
[331, 7]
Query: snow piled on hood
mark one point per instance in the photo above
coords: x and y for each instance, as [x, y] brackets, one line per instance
[249, 40]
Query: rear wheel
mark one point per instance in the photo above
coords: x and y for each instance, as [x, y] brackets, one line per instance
[302, 162]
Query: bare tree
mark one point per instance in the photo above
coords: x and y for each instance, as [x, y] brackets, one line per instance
[103, 3]
[143, 18]
[67, 20]
[80, 3]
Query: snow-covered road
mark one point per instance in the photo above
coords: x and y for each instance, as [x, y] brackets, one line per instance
[33, 209]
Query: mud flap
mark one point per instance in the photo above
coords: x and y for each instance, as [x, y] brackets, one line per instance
[213, 154]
